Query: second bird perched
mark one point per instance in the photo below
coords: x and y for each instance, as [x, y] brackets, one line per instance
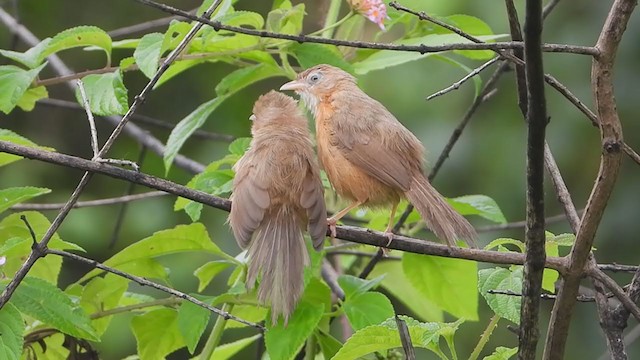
[370, 158]
[277, 194]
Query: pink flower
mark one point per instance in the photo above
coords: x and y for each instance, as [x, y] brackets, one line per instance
[374, 10]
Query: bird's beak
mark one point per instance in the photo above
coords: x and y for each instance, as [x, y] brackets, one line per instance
[295, 85]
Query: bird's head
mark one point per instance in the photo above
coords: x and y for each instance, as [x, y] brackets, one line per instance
[319, 82]
[275, 107]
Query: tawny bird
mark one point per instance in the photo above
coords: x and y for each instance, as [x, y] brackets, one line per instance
[370, 158]
[277, 194]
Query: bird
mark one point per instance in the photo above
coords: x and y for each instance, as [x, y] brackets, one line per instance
[369, 157]
[277, 194]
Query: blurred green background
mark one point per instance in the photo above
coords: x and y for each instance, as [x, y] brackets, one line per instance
[489, 158]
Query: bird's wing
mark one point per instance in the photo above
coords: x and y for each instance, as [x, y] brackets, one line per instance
[250, 199]
[374, 141]
[312, 200]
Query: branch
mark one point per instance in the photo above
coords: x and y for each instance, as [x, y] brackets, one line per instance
[611, 133]
[610, 325]
[91, 203]
[348, 233]
[423, 49]
[456, 85]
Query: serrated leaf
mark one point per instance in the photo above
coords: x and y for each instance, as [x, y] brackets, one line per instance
[283, 343]
[505, 306]
[504, 241]
[251, 313]
[102, 294]
[157, 333]
[28, 100]
[243, 77]
[11, 329]
[148, 52]
[309, 55]
[480, 205]
[16, 195]
[80, 36]
[226, 351]
[353, 286]
[31, 58]
[448, 283]
[239, 146]
[186, 127]
[242, 18]
[211, 182]
[127, 62]
[45, 302]
[387, 58]
[52, 348]
[106, 93]
[397, 284]
[502, 353]
[182, 238]
[14, 83]
[286, 19]
[192, 320]
[367, 309]
[328, 344]
[208, 271]
[474, 26]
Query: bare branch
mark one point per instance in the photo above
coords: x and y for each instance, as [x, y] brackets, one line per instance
[611, 326]
[456, 85]
[81, 204]
[92, 122]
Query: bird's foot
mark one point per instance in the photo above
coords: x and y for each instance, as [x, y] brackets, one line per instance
[332, 227]
[389, 234]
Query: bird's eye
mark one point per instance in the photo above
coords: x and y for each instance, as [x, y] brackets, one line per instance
[314, 78]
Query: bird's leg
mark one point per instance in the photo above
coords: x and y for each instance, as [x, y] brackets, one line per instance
[332, 221]
[392, 219]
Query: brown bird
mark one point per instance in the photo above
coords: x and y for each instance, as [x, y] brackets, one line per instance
[277, 194]
[369, 156]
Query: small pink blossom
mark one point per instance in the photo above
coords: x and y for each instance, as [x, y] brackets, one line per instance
[374, 10]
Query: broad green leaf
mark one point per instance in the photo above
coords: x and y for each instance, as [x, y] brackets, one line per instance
[147, 268]
[222, 9]
[561, 239]
[351, 29]
[309, 55]
[102, 294]
[449, 283]
[28, 100]
[45, 302]
[182, 238]
[226, 351]
[550, 276]
[127, 62]
[178, 67]
[148, 52]
[480, 205]
[286, 19]
[397, 284]
[80, 36]
[353, 286]
[505, 241]
[474, 26]
[31, 58]
[208, 271]
[502, 353]
[243, 77]
[212, 182]
[106, 93]
[239, 146]
[120, 44]
[16, 195]
[328, 344]
[192, 320]
[175, 34]
[52, 348]
[284, 342]
[16, 241]
[186, 127]
[11, 329]
[367, 309]
[387, 58]
[251, 313]
[505, 306]
[14, 83]
[10, 136]
[157, 333]
[385, 336]
[243, 18]
[226, 44]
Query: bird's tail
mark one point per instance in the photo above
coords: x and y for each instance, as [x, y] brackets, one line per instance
[440, 217]
[278, 252]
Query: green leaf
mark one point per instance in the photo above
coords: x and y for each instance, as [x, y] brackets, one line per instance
[502, 353]
[243, 77]
[480, 205]
[474, 26]
[367, 309]
[102, 294]
[239, 146]
[504, 241]
[45, 302]
[309, 55]
[251, 313]
[328, 344]
[505, 306]
[385, 336]
[284, 342]
[449, 283]
[550, 276]
[397, 284]
[79, 36]
[28, 101]
[106, 93]
[212, 182]
[353, 286]
[186, 127]
[387, 58]
[14, 83]
[31, 58]
[181, 238]
[52, 348]
[178, 67]
[286, 19]
[226, 351]
[10, 136]
[243, 18]
[157, 333]
[11, 329]
[208, 271]
[192, 320]
[16, 195]
[148, 52]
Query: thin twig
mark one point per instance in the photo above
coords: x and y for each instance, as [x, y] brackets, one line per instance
[91, 203]
[330, 276]
[405, 339]
[92, 122]
[561, 189]
[170, 301]
[543, 296]
[613, 286]
[520, 224]
[456, 85]
[145, 26]
[611, 326]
